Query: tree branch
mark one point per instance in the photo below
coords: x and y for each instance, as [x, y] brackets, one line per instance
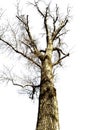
[17, 51]
[60, 52]
[30, 41]
[36, 5]
[55, 18]
[46, 25]
[26, 26]
[43, 51]
[58, 61]
[45, 16]
[61, 26]
[61, 34]
[27, 46]
[23, 86]
[58, 49]
[9, 78]
[27, 89]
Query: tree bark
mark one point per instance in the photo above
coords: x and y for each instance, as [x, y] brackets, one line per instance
[48, 118]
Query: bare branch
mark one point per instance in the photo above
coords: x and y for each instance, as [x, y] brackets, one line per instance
[22, 20]
[17, 51]
[23, 86]
[9, 78]
[59, 61]
[27, 89]
[58, 49]
[46, 25]
[61, 34]
[61, 26]
[17, 84]
[25, 22]
[13, 34]
[31, 41]
[45, 16]
[27, 45]
[32, 92]
[43, 51]
[60, 52]
[54, 18]
[37, 7]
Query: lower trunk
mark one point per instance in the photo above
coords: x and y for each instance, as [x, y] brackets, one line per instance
[48, 118]
[48, 111]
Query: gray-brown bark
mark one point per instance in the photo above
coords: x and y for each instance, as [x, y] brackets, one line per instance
[48, 118]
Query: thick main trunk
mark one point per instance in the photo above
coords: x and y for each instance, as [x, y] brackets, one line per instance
[48, 118]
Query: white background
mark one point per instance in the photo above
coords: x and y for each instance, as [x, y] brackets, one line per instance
[18, 112]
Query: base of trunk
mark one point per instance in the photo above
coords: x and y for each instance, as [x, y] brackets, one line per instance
[48, 118]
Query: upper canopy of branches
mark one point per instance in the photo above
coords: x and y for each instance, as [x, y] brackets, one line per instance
[23, 42]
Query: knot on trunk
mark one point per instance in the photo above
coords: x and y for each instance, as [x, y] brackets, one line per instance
[48, 92]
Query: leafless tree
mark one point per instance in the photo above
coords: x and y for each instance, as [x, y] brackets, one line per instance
[43, 61]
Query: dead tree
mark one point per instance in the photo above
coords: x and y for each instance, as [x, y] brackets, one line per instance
[43, 59]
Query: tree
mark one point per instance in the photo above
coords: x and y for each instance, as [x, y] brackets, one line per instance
[44, 61]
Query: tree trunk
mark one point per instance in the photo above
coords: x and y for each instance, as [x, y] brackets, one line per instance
[48, 118]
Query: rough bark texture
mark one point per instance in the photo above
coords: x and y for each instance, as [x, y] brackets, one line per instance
[48, 118]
